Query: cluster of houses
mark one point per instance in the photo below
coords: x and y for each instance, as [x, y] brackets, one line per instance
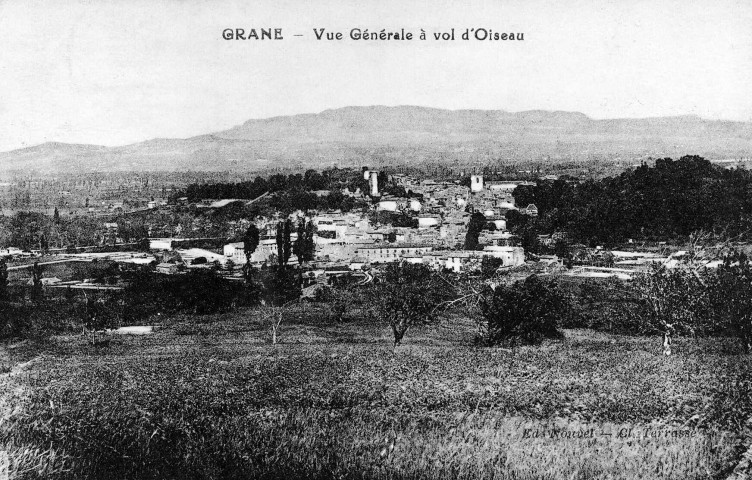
[441, 216]
[354, 241]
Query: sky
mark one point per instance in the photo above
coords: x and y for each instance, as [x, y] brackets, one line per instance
[119, 72]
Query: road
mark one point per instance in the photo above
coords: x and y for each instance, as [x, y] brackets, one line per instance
[51, 262]
[368, 279]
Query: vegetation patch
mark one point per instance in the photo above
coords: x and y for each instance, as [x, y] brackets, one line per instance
[182, 404]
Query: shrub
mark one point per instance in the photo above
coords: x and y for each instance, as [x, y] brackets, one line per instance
[14, 321]
[323, 294]
[489, 265]
[606, 304]
[526, 312]
[280, 285]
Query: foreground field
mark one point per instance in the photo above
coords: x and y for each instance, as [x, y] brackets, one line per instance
[216, 400]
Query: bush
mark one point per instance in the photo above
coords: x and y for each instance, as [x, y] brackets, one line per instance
[280, 285]
[489, 265]
[323, 294]
[526, 312]
[608, 305]
[14, 321]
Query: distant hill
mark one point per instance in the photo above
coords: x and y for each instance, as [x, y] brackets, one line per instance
[406, 134]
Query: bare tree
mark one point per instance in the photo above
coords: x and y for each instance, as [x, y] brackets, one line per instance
[276, 317]
[674, 301]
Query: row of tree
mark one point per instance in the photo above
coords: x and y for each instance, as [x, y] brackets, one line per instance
[311, 180]
[684, 301]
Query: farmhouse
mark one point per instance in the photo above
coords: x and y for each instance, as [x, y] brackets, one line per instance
[425, 221]
[265, 249]
[391, 253]
[199, 255]
[463, 261]
[531, 210]
[160, 243]
[388, 205]
[511, 256]
[167, 268]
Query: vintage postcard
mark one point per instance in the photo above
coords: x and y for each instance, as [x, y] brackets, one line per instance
[366, 240]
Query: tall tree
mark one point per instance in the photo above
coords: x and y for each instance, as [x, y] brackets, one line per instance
[284, 245]
[36, 281]
[3, 279]
[287, 244]
[250, 243]
[477, 222]
[298, 246]
[44, 244]
[304, 247]
[310, 246]
[280, 244]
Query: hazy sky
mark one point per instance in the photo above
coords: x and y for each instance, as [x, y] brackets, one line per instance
[117, 72]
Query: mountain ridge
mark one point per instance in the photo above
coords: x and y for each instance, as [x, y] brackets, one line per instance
[409, 134]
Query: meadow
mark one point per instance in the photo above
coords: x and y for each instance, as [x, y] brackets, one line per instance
[211, 397]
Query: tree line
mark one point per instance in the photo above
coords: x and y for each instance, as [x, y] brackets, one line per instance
[666, 201]
[311, 180]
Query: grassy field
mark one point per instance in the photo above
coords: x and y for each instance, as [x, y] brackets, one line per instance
[210, 397]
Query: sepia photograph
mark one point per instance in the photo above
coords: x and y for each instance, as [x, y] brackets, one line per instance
[351, 239]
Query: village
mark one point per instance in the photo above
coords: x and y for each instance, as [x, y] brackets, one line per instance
[432, 230]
